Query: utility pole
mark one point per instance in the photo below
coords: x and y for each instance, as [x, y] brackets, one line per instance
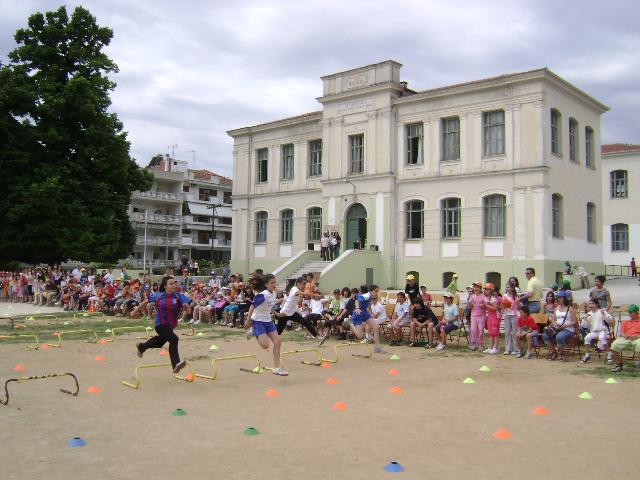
[213, 220]
[193, 163]
[173, 150]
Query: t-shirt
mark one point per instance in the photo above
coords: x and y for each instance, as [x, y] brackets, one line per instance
[631, 328]
[451, 313]
[262, 305]
[411, 290]
[475, 300]
[350, 306]
[364, 301]
[423, 314]
[316, 306]
[527, 322]
[535, 286]
[402, 310]
[168, 307]
[380, 313]
[426, 297]
[601, 296]
[290, 302]
[336, 306]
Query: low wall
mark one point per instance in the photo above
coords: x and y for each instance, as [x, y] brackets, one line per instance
[350, 270]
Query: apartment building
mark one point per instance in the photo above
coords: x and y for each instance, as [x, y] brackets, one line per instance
[174, 215]
[482, 178]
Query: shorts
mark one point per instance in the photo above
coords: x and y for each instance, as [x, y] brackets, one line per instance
[448, 327]
[402, 323]
[262, 328]
[231, 308]
[358, 320]
[621, 343]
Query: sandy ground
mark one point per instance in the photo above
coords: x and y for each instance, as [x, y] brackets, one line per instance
[439, 428]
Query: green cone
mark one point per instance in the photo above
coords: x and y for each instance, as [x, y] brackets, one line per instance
[66, 323]
[484, 368]
[178, 412]
[585, 396]
[611, 380]
[468, 380]
[250, 432]
[213, 347]
[394, 357]
[199, 334]
[108, 330]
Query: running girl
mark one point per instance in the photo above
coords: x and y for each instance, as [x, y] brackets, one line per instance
[259, 316]
[289, 310]
[362, 315]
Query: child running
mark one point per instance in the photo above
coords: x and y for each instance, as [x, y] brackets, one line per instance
[168, 304]
[362, 315]
[289, 310]
[259, 316]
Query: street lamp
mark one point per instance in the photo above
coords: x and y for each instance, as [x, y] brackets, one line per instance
[213, 219]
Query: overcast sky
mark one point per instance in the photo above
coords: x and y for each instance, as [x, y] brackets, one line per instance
[190, 70]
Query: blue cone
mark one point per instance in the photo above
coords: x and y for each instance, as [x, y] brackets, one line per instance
[393, 467]
[76, 442]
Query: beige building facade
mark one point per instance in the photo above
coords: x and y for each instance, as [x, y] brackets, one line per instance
[621, 216]
[482, 178]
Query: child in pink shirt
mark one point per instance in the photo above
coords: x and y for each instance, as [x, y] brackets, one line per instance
[478, 317]
[493, 318]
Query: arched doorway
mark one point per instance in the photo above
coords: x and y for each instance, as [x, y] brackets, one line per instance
[356, 228]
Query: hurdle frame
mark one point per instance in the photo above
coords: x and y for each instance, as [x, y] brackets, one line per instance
[303, 350]
[31, 335]
[146, 328]
[350, 344]
[39, 377]
[224, 359]
[136, 372]
[59, 335]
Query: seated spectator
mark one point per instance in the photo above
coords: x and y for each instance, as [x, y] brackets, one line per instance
[426, 296]
[527, 331]
[399, 319]
[379, 314]
[449, 321]
[549, 304]
[334, 324]
[629, 338]
[561, 327]
[601, 294]
[422, 317]
[596, 323]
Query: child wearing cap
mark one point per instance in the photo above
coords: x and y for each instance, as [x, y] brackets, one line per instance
[411, 288]
[629, 338]
[449, 321]
[477, 302]
[493, 319]
[452, 288]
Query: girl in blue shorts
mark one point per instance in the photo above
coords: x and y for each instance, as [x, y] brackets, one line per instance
[259, 316]
[362, 315]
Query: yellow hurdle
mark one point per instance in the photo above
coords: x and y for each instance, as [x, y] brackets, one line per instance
[39, 377]
[122, 329]
[67, 332]
[258, 368]
[32, 335]
[369, 346]
[136, 372]
[305, 350]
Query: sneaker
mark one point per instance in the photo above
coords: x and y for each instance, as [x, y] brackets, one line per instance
[413, 344]
[197, 322]
[473, 348]
[609, 356]
[519, 355]
[379, 349]
[322, 339]
[280, 372]
[528, 355]
[440, 347]
[487, 350]
[428, 345]
[507, 352]
[617, 368]
[515, 352]
[179, 366]
[586, 358]
[190, 321]
[140, 353]
[369, 337]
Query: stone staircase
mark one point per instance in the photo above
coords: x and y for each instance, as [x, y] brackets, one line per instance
[309, 267]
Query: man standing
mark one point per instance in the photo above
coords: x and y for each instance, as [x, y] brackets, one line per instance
[632, 267]
[533, 295]
[324, 246]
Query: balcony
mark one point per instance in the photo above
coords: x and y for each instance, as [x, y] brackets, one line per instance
[156, 218]
[161, 196]
[153, 263]
[158, 241]
[194, 242]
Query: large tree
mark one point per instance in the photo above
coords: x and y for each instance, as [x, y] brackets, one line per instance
[66, 175]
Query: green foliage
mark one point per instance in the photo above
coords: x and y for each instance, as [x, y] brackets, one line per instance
[67, 173]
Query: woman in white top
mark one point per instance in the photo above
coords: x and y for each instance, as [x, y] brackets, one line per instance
[449, 321]
[290, 312]
[563, 322]
[596, 322]
[259, 317]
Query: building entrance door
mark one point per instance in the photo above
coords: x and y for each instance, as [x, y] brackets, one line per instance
[356, 231]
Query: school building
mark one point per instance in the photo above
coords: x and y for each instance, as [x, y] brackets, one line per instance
[482, 178]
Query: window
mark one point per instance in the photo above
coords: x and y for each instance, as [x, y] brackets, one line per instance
[447, 277]
[555, 131]
[619, 184]
[226, 197]
[261, 227]
[286, 226]
[262, 165]
[314, 224]
[495, 278]
[450, 138]
[226, 220]
[414, 214]
[356, 153]
[573, 140]
[556, 215]
[494, 209]
[185, 188]
[202, 219]
[588, 147]
[287, 162]
[620, 237]
[451, 218]
[414, 143]
[493, 132]
[591, 215]
[315, 158]
[205, 193]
